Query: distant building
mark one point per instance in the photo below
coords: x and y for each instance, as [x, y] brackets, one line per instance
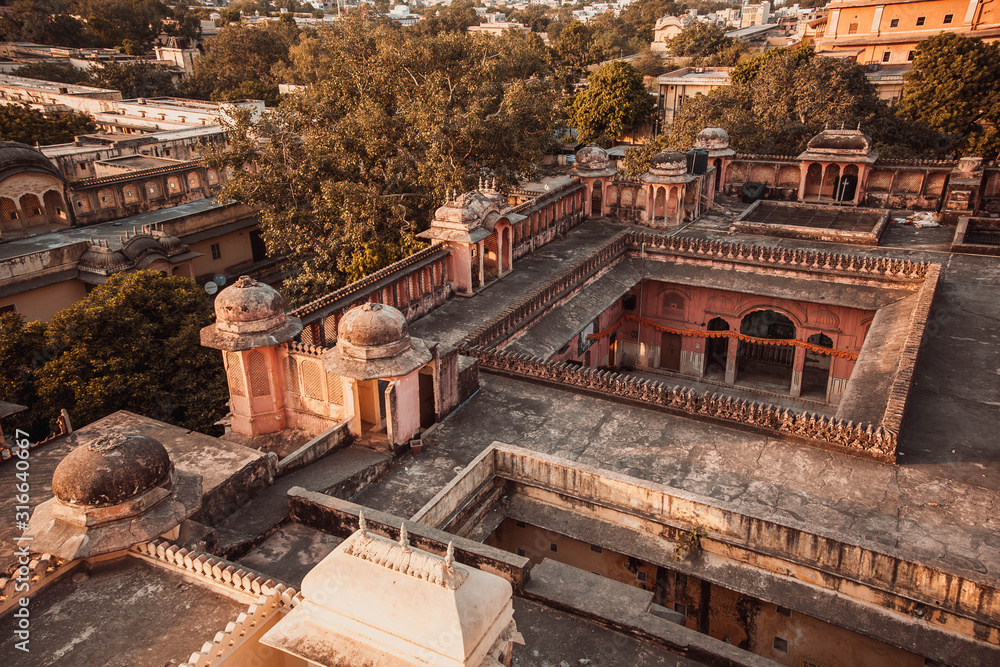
[870, 31]
[755, 14]
[498, 28]
[667, 28]
[679, 85]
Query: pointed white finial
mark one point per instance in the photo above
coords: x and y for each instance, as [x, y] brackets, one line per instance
[480, 181]
[362, 524]
[494, 182]
[449, 556]
[859, 126]
[404, 538]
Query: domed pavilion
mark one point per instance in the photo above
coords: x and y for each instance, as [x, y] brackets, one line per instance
[380, 364]
[477, 228]
[593, 168]
[667, 189]
[250, 323]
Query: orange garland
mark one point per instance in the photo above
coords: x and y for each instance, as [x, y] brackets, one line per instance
[818, 349]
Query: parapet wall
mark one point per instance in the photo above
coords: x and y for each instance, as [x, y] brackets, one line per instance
[874, 440]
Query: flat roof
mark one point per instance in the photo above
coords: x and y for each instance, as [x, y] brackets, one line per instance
[50, 86]
[121, 614]
[818, 217]
[107, 231]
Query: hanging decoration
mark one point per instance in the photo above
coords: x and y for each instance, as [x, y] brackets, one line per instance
[694, 333]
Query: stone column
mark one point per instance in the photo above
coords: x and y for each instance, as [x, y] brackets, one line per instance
[797, 366]
[731, 360]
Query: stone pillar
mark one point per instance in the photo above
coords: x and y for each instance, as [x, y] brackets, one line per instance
[731, 349]
[482, 273]
[797, 366]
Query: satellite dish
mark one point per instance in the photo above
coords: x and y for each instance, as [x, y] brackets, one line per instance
[211, 287]
[219, 279]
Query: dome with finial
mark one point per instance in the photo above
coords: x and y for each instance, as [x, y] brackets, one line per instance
[471, 216]
[249, 314]
[16, 157]
[373, 341]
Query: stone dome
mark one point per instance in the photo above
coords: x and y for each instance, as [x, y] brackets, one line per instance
[373, 341]
[849, 141]
[668, 158]
[110, 470]
[592, 158]
[667, 166]
[17, 157]
[249, 302]
[371, 329]
[713, 139]
[249, 314]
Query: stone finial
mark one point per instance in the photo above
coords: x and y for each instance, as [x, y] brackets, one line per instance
[404, 537]
[362, 524]
[449, 556]
[480, 181]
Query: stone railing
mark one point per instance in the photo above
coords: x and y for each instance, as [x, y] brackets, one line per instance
[306, 349]
[881, 268]
[542, 298]
[902, 381]
[33, 574]
[237, 633]
[865, 439]
[215, 570]
[398, 270]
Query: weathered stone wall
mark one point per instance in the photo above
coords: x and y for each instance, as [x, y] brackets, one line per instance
[547, 217]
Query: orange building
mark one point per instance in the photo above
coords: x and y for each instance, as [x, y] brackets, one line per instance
[873, 31]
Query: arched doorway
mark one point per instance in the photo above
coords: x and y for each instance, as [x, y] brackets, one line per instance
[814, 175]
[764, 365]
[659, 203]
[491, 258]
[848, 188]
[816, 371]
[716, 350]
[672, 205]
[831, 181]
[717, 163]
[596, 200]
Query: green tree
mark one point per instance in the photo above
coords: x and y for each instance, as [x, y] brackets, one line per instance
[42, 22]
[24, 124]
[574, 46]
[133, 344]
[456, 17]
[239, 54]
[701, 39]
[135, 79]
[59, 72]
[776, 104]
[110, 23]
[952, 88]
[346, 172]
[642, 15]
[22, 354]
[614, 102]
[651, 64]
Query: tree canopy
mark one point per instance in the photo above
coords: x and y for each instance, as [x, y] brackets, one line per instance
[24, 124]
[780, 99]
[348, 170]
[614, 102]
[134, 79]
[131, 344]
[242, 59]
[707, 44]
[952, 88]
